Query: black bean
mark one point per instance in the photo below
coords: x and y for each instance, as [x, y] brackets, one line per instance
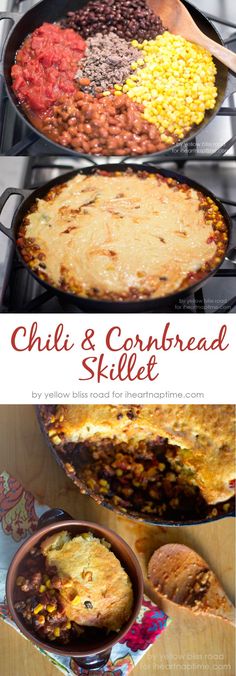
[129, 20]
[131, 415]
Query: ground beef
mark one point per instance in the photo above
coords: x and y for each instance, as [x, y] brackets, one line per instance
[107, 60]
[130, 19]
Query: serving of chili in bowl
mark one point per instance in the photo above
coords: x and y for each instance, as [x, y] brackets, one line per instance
[33, 593]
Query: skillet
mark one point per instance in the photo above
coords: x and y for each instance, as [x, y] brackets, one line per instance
[80, 458]
[52, 12]
[28, 197]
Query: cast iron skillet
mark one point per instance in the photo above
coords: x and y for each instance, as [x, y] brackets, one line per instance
[95, 305]
[81, 456]
[54, 11]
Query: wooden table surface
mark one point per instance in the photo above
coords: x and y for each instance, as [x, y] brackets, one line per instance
[191, 643]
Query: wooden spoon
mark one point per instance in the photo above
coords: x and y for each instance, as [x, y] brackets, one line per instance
[176, 18]
[181, 575]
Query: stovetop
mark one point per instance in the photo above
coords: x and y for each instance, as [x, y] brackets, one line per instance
[210, 160]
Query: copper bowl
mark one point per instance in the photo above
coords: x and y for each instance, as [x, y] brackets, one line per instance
[86, 655]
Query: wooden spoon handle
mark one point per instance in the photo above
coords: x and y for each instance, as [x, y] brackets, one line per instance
[179, 574]
[222, 53]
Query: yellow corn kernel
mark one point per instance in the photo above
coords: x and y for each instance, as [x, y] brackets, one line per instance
[68, 625]
[76, 600]
[48, 584]
[56, 440]
[103, 482]
[42, 588]
[106, 93]
[51, 608]
[176, 84]
[130, 82]
[38, 609]
[91, 483]
[118, 87]
[57, 632]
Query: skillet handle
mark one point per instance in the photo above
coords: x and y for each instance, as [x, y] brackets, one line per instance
[231, 256]
[53, 516]
[231, 85]
[217, 19]
[3, 199]
[13, 17]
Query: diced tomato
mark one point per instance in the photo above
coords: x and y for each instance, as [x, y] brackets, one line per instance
[46, 66]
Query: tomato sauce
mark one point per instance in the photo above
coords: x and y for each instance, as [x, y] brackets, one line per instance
[46, 66]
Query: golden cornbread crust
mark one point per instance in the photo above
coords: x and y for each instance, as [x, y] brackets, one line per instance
[124, 423]
[95, 591]
[206, 439]
[203, 434]
[112, 236]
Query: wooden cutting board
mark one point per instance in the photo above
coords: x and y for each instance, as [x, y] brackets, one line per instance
[190, 642]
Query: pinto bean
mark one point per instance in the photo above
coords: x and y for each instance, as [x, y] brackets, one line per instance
[103, 125]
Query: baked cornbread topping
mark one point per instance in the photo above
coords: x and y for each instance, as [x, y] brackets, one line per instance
[70, 584]
[123, 236]
[150, 459]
